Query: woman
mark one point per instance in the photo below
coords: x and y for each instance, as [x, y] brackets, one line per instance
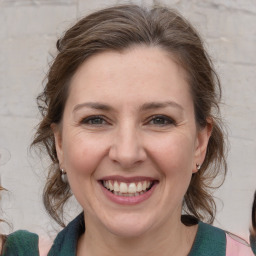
[130, 121]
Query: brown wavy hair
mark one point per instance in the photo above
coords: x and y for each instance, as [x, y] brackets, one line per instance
[1, 189]
[119, 28]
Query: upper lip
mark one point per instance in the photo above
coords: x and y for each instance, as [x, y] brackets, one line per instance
[128, 179]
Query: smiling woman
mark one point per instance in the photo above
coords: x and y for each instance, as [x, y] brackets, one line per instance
[131, 123]
[121, 145]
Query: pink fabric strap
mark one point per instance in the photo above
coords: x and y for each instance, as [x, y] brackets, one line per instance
[237, 248]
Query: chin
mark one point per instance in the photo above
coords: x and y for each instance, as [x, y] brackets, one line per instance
[128, 231]
[129, 227]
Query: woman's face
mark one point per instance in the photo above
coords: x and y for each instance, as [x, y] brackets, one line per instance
[129, 126]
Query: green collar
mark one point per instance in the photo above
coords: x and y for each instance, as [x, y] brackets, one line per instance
[209, 241]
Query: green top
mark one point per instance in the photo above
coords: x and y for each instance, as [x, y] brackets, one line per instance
[21, 243]
[209, 241]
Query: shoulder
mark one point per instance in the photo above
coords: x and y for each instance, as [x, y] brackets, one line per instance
[209, 240]
[213, 241]
[237, 246]
[66, 241]
[21, 243]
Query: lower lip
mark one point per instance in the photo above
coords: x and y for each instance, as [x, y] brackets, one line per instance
[132, 200]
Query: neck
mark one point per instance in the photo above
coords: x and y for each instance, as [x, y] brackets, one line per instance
[172, 239]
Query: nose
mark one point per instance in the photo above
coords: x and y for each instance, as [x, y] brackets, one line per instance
[127, 148]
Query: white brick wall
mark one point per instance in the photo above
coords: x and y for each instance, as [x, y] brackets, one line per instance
[28, 33]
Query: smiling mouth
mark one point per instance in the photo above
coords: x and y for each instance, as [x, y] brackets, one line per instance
[131, 189]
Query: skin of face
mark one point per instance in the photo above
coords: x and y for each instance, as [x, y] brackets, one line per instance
[130, 114]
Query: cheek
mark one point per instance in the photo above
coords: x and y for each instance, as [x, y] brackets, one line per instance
[81, 159]
[174, 159]
[81, 155]
[173, 154]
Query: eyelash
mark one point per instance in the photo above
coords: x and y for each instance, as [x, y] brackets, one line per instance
[165, 119]
[89, 120]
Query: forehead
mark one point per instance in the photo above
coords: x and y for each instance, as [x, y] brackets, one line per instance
[144, 72]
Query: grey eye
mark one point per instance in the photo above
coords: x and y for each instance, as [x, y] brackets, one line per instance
[94, 120]
[161, 120]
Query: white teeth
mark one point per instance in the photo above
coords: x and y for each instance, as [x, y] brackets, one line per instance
[111, 188]
[127, 189]
[139, 187]
[144, 185]
[123, 187]
[116, 187]
[132, 188]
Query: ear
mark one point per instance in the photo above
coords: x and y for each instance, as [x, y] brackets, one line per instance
[203, 136]
[56, 128]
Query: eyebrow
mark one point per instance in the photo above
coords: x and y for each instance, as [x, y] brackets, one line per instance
[158, 105]
[94, 105]
[144, 107]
